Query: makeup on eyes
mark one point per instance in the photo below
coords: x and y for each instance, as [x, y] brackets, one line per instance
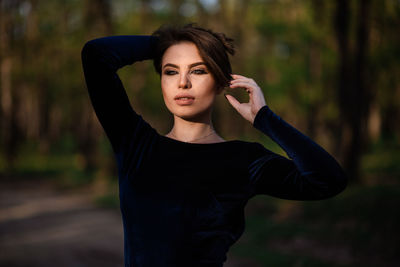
[170, 72]
[201, 70]
[198, 71]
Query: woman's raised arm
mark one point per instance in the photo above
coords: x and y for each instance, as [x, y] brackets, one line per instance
[101, 58]
[312, 174]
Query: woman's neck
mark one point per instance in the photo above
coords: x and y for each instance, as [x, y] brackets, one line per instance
[200, 131]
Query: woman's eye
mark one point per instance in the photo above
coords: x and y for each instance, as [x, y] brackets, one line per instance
[170, 72]
[199, 71]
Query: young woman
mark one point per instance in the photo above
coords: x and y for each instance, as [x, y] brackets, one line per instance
[182, 195]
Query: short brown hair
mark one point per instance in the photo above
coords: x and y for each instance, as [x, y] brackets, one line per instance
[213, 48]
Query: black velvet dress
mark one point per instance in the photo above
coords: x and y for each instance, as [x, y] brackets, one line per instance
[182, 204]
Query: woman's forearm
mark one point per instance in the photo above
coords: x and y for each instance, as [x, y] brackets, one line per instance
[101, 58]
[316, 173]
[120, 50]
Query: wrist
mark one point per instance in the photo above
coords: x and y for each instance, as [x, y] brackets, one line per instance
[258, 114]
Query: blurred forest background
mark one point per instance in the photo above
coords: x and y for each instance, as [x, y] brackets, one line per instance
[329, 68]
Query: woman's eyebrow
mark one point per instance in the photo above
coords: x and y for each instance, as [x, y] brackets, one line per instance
[196, 64]
[190, 66]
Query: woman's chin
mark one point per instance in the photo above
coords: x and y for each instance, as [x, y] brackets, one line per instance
[185, 114]
[188, 113]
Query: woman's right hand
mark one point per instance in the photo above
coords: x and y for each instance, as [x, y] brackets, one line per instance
[256, 97]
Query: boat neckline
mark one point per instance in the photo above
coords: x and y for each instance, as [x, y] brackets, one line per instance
[196, 144]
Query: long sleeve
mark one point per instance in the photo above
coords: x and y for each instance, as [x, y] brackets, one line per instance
[311, 173]
[101, 58]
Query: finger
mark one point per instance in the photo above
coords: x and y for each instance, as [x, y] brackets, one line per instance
[240, 79]
[238, 76]
[248, 80]
[247, 86]
[243, 81]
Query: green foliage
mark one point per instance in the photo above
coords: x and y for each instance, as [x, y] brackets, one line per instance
[290, 48]
[361, 220]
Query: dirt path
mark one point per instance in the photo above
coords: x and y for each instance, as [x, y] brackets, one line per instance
[42, 226]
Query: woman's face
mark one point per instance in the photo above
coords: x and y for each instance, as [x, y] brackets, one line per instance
[183, 72]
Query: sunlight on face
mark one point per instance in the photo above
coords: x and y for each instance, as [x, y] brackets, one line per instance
[183, 71]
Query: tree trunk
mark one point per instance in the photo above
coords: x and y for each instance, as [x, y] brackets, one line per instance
[315, 70]
[97, 19]
[97, 16]
[9, 131]
[353, 92]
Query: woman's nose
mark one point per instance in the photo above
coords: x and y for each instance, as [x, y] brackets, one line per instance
[184, 81]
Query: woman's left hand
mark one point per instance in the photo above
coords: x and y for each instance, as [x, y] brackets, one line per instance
[256, 97]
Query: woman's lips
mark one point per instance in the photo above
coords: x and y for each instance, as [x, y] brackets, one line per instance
[184, 101]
